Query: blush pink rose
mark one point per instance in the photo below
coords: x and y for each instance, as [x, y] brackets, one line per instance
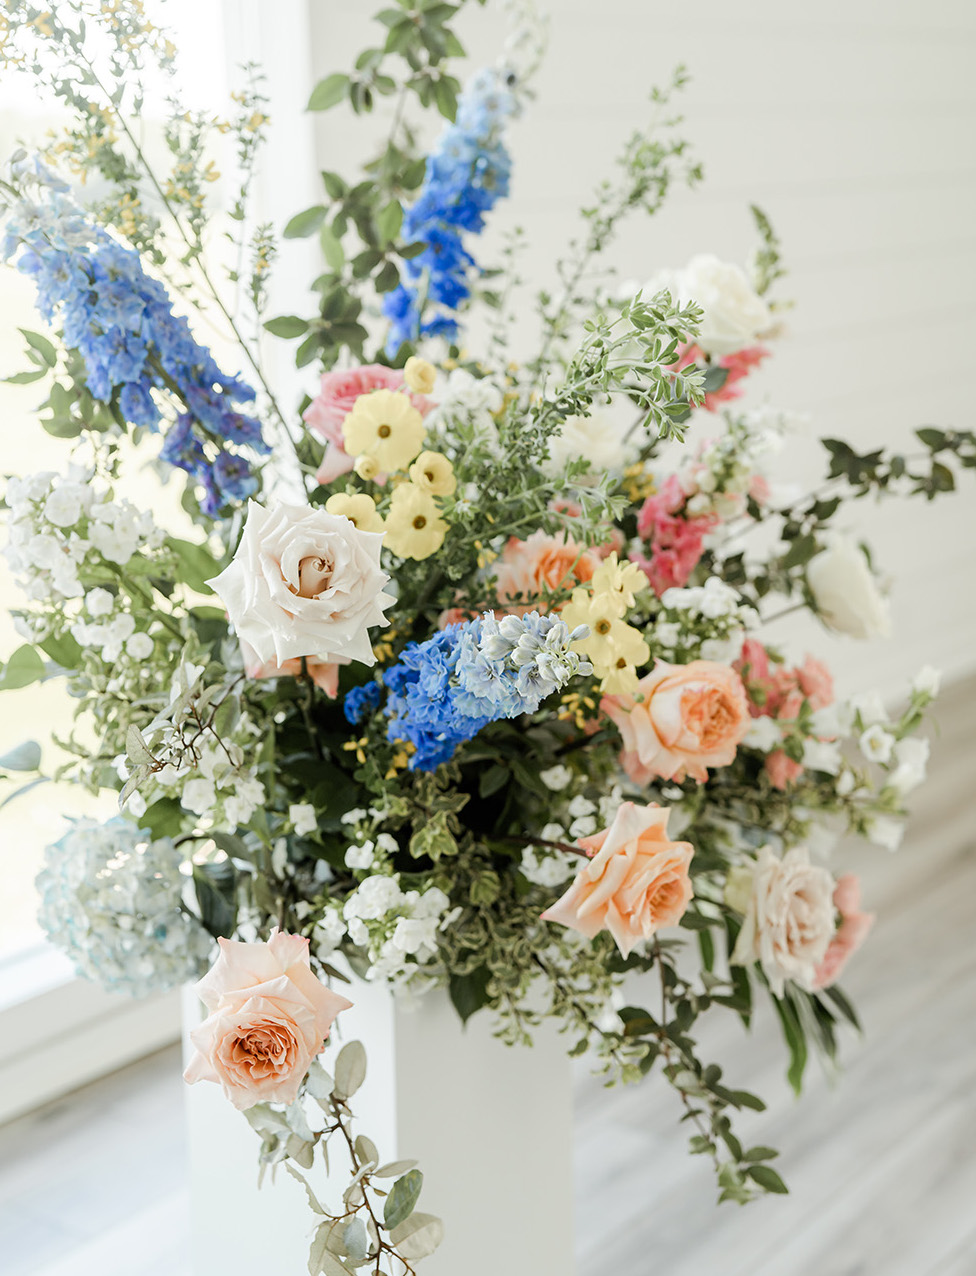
[337, 395]
[687, 718]
[269, 1018]
[534, 568]
[850, 934]
[635, 882]
[324, 673]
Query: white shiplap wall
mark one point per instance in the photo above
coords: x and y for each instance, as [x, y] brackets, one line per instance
[853, 127]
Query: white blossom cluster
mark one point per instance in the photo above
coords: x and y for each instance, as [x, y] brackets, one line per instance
[728, 470]
[701, 622]
[574, 816]
[61, 529]
[111, 898]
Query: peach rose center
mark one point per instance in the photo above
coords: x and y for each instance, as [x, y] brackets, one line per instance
[261, 1050]
[710, 714]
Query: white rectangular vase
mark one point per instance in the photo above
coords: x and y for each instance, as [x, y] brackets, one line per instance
[490, 1125]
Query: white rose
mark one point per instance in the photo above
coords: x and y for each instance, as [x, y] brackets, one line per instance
[304, 582]
[789, 918]
[734, 315]
[600, 438]
[845, 592]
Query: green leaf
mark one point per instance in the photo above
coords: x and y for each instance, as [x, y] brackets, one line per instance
[350, 1069]
[403, 1197]
[842, 1003]
[418, 1236]
[163, 819]
[197, 564]
[63, 650]
[328, 92]
[136, 749]
[25, 757]
[41, 344]
[25, 378]
[287, 326]
[388, 221]
[393, 1169]
[335, 187]
[332, 249]
[216, 888]
[305, 223]
[24, 667]
[24, 788]
[795, 1040]
[61, 427]
[759, 1154]
[469, 992]
[767, 1178]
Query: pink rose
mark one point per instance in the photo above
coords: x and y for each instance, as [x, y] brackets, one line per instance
[781, 769]
[324, 673]
[850, 934]
[636, 881]
[688, 718]
[269, 1018]
[337, 394]
[532, 569]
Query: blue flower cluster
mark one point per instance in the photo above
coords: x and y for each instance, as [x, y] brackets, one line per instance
[360, 702]
[121, 322]
[445, 690]
[467, 173]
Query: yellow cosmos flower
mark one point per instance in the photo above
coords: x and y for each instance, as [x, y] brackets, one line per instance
[620, 580]
[359, 508]
[414, 527]
[434, 473]
[611, 643]
[419, 375]
[367, 467]
[385, 425]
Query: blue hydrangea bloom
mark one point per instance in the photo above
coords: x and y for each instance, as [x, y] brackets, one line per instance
[467, 173]
[121, 322]
[442, 692]
[360, 702]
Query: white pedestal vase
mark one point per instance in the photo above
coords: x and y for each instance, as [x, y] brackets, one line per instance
[490, 1125]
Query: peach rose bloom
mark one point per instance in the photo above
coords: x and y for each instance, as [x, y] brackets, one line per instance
[636, 881]
[850, 934]
[682, 720]
[270, 1016]
[533, 568]
[324, 673]
[789, 918]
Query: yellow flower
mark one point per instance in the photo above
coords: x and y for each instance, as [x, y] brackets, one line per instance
[620, 580]
[610, 639]
[414, 528]
[367, 467]
[359, 508]
[419, 375]
[434, 473]
[386, 426]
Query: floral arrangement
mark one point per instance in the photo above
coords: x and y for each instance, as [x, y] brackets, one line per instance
[463, 672]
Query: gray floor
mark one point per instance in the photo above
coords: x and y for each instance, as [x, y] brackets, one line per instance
[882, 1166]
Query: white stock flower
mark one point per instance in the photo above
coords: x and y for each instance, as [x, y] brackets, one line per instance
[556, 777]
[845, 591]
[140, 646]
[789, 918]
[199, 796]
[99, 602]
[764, 734]
[304, 582]
[876, 744]
[303, 818]
[361, 856]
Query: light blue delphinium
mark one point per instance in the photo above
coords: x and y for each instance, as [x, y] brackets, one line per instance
[121, 322]
[112, 899]
[447, 689]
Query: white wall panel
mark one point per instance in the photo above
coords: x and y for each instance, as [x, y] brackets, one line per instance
[852, 126]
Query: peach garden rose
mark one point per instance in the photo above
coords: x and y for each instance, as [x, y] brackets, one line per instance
[269, 1018]
[681, 720]
[635, 882]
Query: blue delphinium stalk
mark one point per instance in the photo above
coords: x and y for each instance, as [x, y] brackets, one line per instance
[121, 322]
[445, 690]
[467, 173]
[360, 702]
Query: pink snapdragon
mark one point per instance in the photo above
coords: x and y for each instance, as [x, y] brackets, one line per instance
[675, 541]
[737, 367]
[778, 692]
[850, 934]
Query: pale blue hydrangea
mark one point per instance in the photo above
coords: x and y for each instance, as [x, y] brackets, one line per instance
[112, 900]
